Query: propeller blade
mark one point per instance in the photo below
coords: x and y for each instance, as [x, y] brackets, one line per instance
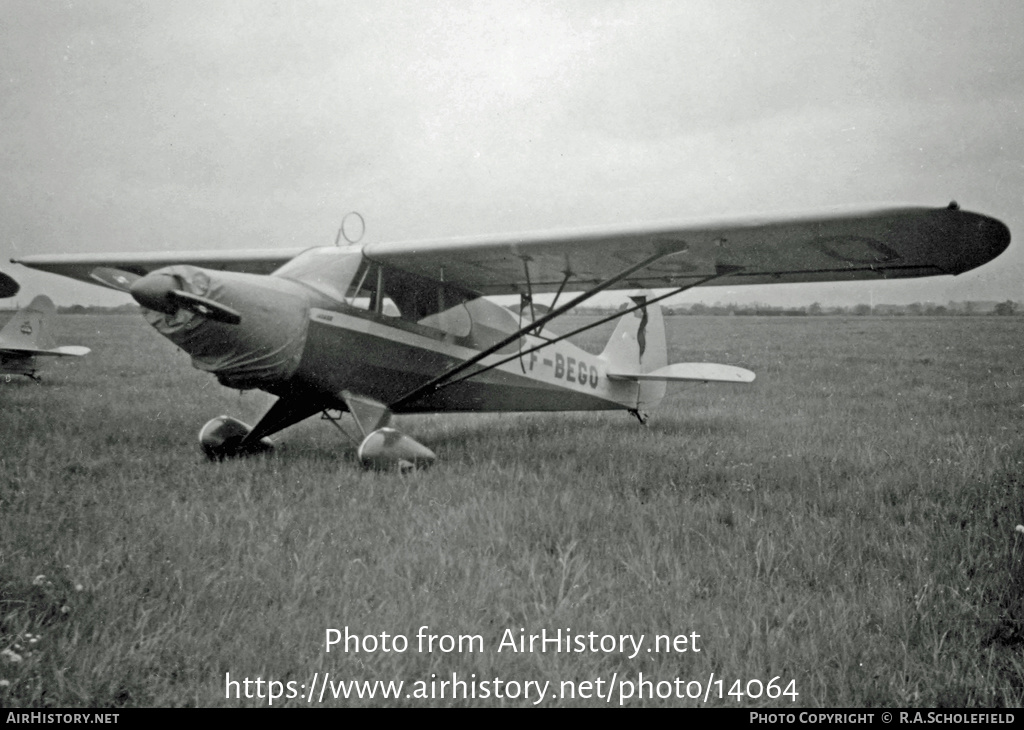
[204, 307]
[114, 278]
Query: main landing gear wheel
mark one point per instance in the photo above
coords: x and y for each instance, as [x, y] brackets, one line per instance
[221, 436]
[387, 448]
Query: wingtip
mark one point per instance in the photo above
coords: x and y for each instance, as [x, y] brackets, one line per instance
[8, 286]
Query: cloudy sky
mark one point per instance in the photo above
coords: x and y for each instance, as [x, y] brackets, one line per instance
[136, 126]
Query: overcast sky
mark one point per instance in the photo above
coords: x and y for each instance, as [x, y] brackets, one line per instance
[136, 126]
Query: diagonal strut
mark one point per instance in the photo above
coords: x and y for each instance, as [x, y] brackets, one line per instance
[437, 382]
[722, 271]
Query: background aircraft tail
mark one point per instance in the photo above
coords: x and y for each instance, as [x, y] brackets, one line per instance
[28, 331]
[29, 328]
[638, 346]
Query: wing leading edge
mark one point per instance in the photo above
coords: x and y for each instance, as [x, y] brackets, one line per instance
[87, 267]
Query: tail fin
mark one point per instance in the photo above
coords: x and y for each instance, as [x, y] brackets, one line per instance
[638, 346]
[29, 328]
[638, 354]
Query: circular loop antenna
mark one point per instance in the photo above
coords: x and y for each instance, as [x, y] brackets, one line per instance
[352, 228]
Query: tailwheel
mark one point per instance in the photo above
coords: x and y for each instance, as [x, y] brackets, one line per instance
[640, 416]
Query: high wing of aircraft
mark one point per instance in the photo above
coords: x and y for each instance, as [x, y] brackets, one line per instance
[26, 337]
[401, 327]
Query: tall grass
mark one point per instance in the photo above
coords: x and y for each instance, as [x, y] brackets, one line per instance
[845, 523]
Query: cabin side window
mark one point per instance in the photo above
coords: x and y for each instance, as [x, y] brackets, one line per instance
[426, 302]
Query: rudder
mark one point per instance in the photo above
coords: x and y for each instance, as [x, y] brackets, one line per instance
[638, 345]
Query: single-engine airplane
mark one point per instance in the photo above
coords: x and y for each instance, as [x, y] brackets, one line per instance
[26, 337]
[405, 327]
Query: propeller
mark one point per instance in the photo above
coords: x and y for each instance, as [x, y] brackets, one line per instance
[161, 293]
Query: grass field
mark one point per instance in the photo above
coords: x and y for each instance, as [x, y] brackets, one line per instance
[846, 525]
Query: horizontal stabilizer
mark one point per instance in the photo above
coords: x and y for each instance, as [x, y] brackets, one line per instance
[687, 371]
[72, 350]
[76, 350]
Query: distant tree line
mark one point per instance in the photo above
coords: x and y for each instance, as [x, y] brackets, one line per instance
[130, 308]
[917, 309]
[1008, 308]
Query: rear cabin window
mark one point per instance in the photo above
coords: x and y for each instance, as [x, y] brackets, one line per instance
[395, 293]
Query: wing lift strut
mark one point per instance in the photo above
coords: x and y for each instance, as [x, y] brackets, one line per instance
[578, 330]
[444, 379]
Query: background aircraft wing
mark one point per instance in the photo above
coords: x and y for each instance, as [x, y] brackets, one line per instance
[8, 286]
[872, 244]
[100, 268]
